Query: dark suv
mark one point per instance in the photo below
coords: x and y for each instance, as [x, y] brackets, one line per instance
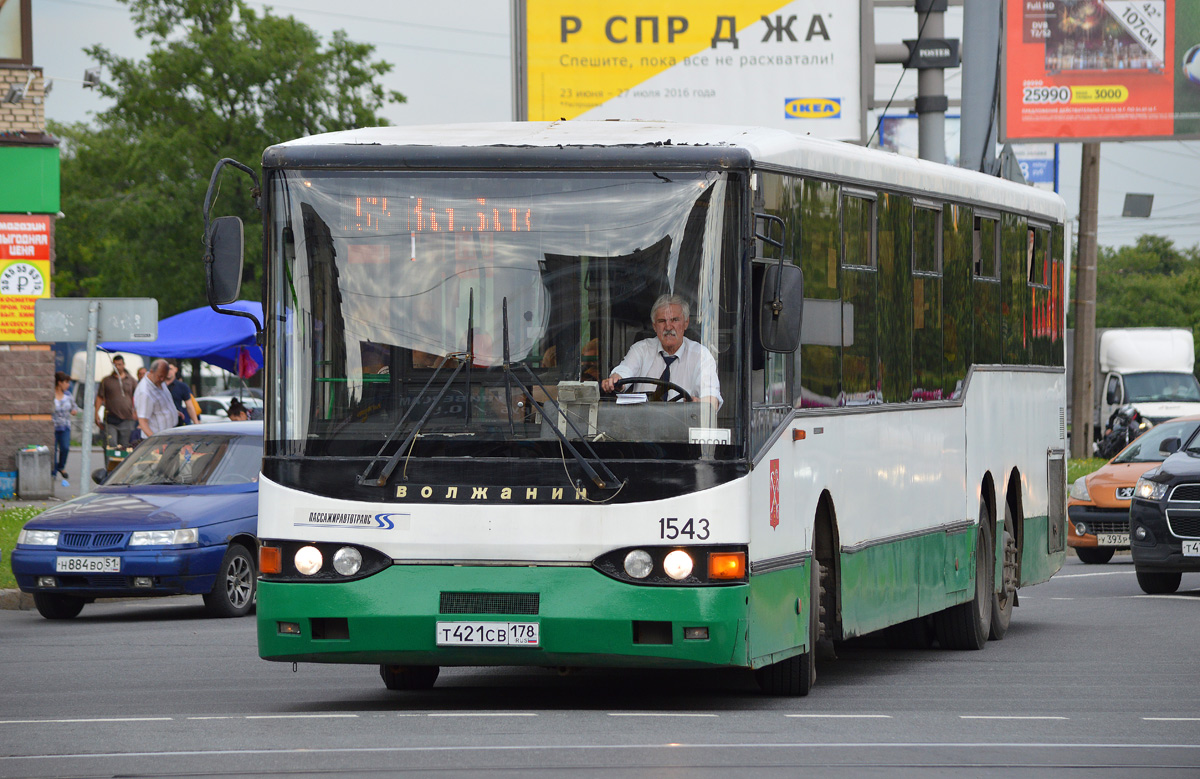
[1164, 520]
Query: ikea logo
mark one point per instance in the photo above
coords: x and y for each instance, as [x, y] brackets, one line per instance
[812, 108]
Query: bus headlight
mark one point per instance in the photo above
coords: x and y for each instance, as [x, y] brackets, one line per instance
[678, 564]
[347, 561]
[638, 564]
[309, 560]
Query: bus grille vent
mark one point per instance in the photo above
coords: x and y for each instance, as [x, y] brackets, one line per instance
[489, 603]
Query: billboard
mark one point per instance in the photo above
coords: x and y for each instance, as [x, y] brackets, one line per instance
[1095, 70]
[795, 66]
[24, 272]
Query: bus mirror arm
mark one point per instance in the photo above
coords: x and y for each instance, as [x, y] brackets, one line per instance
[223, 248]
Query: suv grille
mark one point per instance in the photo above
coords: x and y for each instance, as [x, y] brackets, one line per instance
[1184, 523]
[1186, 492]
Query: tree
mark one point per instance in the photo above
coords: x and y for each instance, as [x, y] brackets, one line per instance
[221, 80]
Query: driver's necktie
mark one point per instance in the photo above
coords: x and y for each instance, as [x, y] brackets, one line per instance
[668, 359]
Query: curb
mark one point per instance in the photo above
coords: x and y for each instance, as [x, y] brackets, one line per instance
[15, 600]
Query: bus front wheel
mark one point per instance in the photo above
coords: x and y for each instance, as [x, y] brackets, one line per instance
[797, 674]
[409, 677]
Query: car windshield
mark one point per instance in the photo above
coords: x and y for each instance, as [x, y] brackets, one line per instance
[192, 460]
[1145, 448]
[1161, 388]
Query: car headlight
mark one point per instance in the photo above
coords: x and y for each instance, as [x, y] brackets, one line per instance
[38, 537]
[1079, 490]
[178, 537]
[1149, 490]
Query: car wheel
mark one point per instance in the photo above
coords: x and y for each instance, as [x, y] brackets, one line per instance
[233, 593]
[1157, 583]
[1098, 555]
[53, 606]
[409, 677]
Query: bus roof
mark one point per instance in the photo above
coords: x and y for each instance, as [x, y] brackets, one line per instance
[770, 147]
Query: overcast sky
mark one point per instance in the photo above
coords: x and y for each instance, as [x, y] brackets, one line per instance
[452, 60]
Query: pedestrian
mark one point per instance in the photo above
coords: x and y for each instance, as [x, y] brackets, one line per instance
[155, 408]
[181, 394]
[115, 393]
[64, 409]
[237, 411]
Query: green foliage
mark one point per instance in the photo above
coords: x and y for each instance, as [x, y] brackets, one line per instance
[1149, 284]
[1077, 468]
[11, 522]
[221, 80]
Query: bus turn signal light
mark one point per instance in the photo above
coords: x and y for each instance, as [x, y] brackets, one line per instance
[727, 565]
[270, 559]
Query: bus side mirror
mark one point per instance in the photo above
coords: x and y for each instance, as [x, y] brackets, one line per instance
[782, 308]
[1170, 445]
[224, 259]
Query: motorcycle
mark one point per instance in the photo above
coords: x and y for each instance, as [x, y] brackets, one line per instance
[1125, 425]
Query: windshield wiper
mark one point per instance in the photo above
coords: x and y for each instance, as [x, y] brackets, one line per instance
[562, 438]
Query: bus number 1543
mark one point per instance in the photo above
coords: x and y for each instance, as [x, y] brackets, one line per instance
[671, 528]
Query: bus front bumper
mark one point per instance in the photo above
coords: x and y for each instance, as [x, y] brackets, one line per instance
[583, 617]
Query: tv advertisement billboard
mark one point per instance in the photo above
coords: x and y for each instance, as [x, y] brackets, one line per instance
[1097, 70]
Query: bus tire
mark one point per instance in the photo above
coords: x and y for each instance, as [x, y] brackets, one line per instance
[233, 592]
[797, 674]
[1094, 555]
[967, 625]
[54, 606]
[409, 677]
[1003, 601]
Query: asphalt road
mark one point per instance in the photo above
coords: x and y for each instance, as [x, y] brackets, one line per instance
[1093, 679]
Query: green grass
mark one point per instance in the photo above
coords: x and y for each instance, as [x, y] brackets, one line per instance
[1077, 468]
[11, 522]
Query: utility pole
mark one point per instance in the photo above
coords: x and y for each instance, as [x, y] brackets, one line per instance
[1083, 391]
[980, 77]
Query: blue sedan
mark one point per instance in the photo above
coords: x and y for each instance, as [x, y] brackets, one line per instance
[177, 517]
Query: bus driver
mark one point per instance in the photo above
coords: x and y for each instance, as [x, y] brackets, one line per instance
[671, 356]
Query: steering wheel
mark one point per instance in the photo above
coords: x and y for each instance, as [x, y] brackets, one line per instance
[664, 385]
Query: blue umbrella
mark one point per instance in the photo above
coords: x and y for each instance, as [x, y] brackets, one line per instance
[221, 340]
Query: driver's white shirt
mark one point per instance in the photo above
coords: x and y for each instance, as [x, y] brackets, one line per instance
[695, 370]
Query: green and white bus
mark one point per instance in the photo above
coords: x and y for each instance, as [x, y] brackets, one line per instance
[446, 484]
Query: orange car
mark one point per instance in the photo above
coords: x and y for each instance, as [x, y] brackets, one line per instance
[1098, 504]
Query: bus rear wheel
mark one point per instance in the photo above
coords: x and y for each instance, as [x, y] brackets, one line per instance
[409, 677]
[967, 625]
[797, 674]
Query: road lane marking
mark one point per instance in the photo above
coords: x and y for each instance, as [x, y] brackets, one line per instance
[674, 747]
[1094, 573]
[89, 719]
[658, 714]
[483, 714]
[1171, 719]
[1004, 716]
[301, 716]
[840, 716]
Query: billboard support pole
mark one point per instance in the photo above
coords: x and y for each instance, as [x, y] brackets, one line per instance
[980, 74]
[1082, 392]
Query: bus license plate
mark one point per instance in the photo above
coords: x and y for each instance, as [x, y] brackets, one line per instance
[487, 634]
[1191, 548]
[1112, 539]
[88, 565]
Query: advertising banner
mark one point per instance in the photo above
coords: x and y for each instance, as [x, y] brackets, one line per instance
[791, 65]
[24, 273]
[1094, 70]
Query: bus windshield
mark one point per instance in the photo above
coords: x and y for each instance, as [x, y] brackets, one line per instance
[449, 309]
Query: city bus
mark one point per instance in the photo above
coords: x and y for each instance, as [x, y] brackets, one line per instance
[445, 481]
